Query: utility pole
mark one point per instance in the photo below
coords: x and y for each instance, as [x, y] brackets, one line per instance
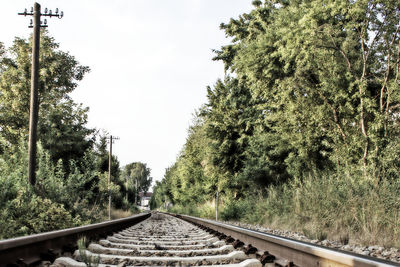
[137, 192]
[126, 186]
[109, 174]
[137, 186]
[216, 206]
[36, 24]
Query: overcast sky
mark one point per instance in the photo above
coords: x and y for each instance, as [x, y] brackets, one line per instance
[150, 64]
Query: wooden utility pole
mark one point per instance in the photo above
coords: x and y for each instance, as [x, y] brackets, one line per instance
[216, 207]
[34, 106]
[36, 24]
[109, 177]
[126, 186]
[109, 174]
[137, 192]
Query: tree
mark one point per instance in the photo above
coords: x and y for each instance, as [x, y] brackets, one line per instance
[137, 176]
[231, 117]
[310, 86]
[71, 187]
[328, 83]
[189, 179]
[101, 150]
[63, 128]
[62, 123]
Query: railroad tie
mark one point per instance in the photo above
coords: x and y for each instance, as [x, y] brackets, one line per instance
[162, 240]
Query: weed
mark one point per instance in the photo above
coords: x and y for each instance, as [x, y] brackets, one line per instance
[90, 261]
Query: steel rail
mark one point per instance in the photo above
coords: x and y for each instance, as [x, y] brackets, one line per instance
[28, 250]
[299, 252]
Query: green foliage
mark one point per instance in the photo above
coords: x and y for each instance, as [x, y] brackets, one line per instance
[230, 118]
[134, 209]
[63, 129]
[29, 213]
[72, 160]
[368, 212]
[58, 200]
[158, 199]
[102, 154]
[136, 178]
[311, 87]
[61, 122]
[22, 210]
[236, 210]
[205, 210]
[313, 77]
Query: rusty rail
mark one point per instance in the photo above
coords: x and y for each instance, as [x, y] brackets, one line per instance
[29, 250]
[293, 251]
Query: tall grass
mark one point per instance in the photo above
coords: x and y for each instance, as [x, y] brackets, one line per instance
[341, 207]
[204, 210]
[118, 214]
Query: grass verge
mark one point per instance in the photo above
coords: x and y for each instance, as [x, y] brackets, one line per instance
[338, 207]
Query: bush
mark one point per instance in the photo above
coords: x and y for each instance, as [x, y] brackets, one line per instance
[58, 200]
[30, 214]
[134, 209]
[235, 210]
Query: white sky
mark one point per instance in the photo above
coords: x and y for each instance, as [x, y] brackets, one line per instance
[150, 64]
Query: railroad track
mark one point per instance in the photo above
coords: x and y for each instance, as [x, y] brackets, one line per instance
[162, 240]
[166, 240]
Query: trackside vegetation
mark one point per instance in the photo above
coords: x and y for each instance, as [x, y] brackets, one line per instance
[71, 187]
[302, 133]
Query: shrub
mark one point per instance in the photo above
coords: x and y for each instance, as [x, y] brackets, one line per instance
[58, 200]
[31, 214]
[235, 210]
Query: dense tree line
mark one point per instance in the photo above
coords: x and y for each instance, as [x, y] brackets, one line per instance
[311, 87]
[72, 171]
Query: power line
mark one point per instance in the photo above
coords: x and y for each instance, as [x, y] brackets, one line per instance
[36, 24]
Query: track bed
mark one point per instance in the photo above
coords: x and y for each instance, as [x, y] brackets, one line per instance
[161, 240]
